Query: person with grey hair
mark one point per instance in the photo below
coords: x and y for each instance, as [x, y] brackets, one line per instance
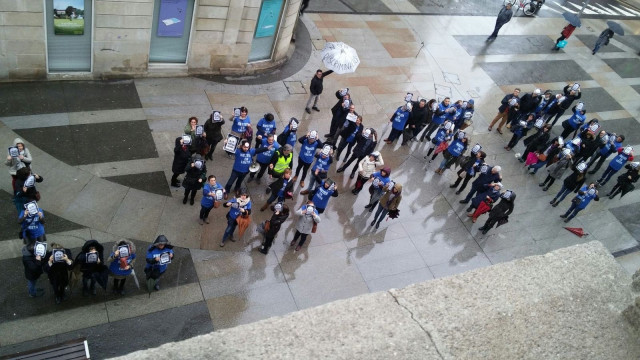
[491, 175]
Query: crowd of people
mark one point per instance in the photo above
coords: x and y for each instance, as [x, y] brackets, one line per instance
[267, 151]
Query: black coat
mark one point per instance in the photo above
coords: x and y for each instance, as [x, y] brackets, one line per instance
[504, 104]
[32, 267]
[213, 130]
[503, 209]
[58, 272]
[574, 181]
[627, 179]
[181, 157]
[528, 102]
[418, 115]
[276, 222]
[81, 260]
[537, 140]
[192, 175]
[277, 185]
[364, 146]
[316, 86]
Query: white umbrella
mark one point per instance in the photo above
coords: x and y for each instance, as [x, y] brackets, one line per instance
[340, 57]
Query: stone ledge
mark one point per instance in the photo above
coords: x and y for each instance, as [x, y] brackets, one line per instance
[565, 304]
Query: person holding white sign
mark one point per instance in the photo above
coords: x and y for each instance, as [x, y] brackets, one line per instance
[33, 268]
[159, 256]
[31, 219]
[122, 258]
[91, 263]
[57, 265]
[18, 157]
[212, 193]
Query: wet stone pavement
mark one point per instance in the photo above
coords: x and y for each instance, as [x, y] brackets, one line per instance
[107, 164]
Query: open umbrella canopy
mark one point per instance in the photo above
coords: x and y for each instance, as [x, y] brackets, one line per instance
[340, 57]
[615, 27]
[572, 18]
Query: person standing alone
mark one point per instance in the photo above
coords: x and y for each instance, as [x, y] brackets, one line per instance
[504, 16]
[315, 88]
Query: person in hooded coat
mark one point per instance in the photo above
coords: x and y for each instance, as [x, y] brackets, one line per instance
[196, 176]
[556, 170]
[571, 183]
[58, 270]
[123, 256]
[181, 158]
[25, 188]
[15, 163]
[213, 129]
[32, 269]
[365, 145]
[280, 215]
[626, 181]
[159, 255]
[499, 212]
[91, 263]
[388, 202]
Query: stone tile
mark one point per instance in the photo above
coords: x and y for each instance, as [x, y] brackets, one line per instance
[626, 215]
[627, 126]
[94, 143]
[36, 121]
[106, 341]
[102, 116]
[505, 45]
[401, 280]
[321, 288]
[31, 98]
[390, 265]
[447, 246]
[626, 67]
[590, 42]
[134, 306]
[529, 72]
[251, 305]
[59, 194]
[636, 88]
[473, 261]
[630, 262]
[597, 100]
[500, 240]
[153, 182]
[138, 216]
[62, 321]
[96, 204]
[100, 95]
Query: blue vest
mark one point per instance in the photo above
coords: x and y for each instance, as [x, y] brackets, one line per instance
[441, 135]
[618, 162]
[31, 226]
[243, 160]
[577, 119]
[208, 194]
[440, 119]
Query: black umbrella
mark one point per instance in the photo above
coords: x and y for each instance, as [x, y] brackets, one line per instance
[572, 18]
[615, 27]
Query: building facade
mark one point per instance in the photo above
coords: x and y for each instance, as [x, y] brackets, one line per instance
[85, 39]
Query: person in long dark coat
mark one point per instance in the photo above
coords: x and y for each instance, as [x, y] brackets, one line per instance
[499, 212]
[196, 176]
[213, 129]
[91, 263]
[626, 181]
[536, 142]
[504, 16]
[181, 157]
[280, 214]
[58, 270]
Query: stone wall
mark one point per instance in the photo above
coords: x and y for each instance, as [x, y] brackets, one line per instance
[22, 46]
[566, 304]
[122, 37]
[221, 38]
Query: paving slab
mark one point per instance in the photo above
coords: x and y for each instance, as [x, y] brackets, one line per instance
[152, 182]
[590, 42]
[530, 72]
[626, 67]
[596, 99]
[476, 45]
[627, 215]
[94, 143]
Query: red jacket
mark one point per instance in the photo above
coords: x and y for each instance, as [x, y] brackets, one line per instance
[567, 31]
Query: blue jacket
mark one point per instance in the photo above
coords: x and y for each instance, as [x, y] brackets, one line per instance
[208, 194]
[114, 267]
[240, 125]
[381, 180]
[234, 210]
[486, 178]
[152, 252]
[265, 157]
[265, 127]
[32, 226]
[400, 118]
[308, 151]
[321, 196]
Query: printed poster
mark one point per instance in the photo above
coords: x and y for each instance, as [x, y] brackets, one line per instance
[268, 19]
[171, 18]
[68, 17]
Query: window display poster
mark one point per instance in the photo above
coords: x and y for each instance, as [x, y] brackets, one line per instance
[268, 19]
[68, 17]
[171, 18]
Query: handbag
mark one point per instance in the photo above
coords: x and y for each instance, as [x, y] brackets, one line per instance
[314, 227]
[542, 157]
[216, 204]
[37, 196]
